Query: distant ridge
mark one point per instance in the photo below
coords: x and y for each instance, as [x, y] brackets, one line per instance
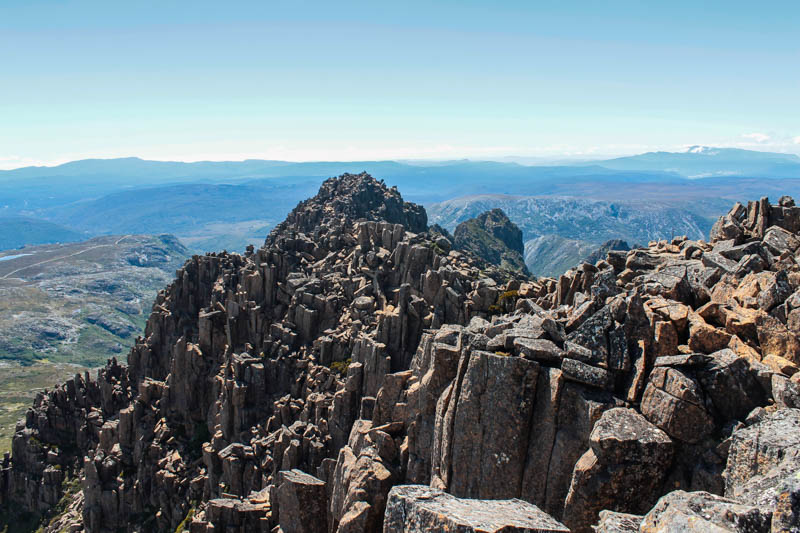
[16, 232]
[705, 161]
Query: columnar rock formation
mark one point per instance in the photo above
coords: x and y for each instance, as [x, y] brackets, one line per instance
[352, 354]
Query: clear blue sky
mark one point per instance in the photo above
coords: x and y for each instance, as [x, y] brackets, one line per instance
[357, 80]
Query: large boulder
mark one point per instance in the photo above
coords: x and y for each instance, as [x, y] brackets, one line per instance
[623, 470]
[763, 462]
[418, 509]
[703, 512]
[491, 423]
[733, 384]
[301, 501]
[674, 402]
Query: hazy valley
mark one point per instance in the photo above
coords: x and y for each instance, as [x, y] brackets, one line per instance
[216, 206]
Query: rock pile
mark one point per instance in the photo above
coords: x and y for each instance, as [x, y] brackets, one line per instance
[293, 387]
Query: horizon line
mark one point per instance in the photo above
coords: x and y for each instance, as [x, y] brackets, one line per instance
[26, 163]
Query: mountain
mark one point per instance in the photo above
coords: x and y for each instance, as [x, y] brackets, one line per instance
[703, 161]
[16, 232]
[352, 376]
[608, 246]
[234, 215]
[228, 205]
[221, 205]
[573, 227]
[35, 189]
[551, 255]
[492, 237]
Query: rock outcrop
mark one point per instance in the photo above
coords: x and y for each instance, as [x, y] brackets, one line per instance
[352, 354]
[493, 237]
[418, 509]
[613, 245]
[701, 511]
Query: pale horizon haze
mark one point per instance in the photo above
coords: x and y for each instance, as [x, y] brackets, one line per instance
[302, 81]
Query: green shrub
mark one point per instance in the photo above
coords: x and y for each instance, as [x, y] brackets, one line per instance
[506, 295]
[340, 367]
[184, 525]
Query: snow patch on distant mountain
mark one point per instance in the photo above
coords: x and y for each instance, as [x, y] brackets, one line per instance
[705, 150]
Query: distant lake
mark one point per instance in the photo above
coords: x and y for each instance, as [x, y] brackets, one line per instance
[10, 257]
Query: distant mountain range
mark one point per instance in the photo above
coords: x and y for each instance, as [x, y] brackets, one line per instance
[704, 161]
[561, 231]
[227, 205]
[16, 232]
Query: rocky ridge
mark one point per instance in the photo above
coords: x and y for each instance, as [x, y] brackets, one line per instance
[652, 390]
[493, 237]
[609, 246]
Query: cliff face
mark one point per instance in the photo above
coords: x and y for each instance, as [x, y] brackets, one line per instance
[294, 386]
[493, 237]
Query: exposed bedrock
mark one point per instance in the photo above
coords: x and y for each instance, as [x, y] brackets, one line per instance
[300, 386]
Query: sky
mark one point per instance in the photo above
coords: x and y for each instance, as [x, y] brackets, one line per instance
[301, 81]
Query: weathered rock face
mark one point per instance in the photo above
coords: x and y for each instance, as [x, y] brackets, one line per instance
[763, 465]
[613, 522]
[624, 468]
[701, 511]
[352, 354]
[301, 500]
[493, 237]
[417, 508]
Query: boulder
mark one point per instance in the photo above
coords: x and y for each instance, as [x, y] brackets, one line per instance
[763, 461]
[491, 423]
[733, 384]
[301, 502]
[623, 470]
[613, 522]
[703, 512]
[419, 509]
[674, 402]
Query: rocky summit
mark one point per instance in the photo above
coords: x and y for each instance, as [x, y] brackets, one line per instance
[354, 375]
[493, 237]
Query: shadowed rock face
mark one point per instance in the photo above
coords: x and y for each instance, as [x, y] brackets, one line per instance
[365, 356]
[493, 237]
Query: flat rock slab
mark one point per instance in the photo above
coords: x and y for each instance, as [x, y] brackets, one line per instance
[703, 512]
[418, 508]
[612, 522]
